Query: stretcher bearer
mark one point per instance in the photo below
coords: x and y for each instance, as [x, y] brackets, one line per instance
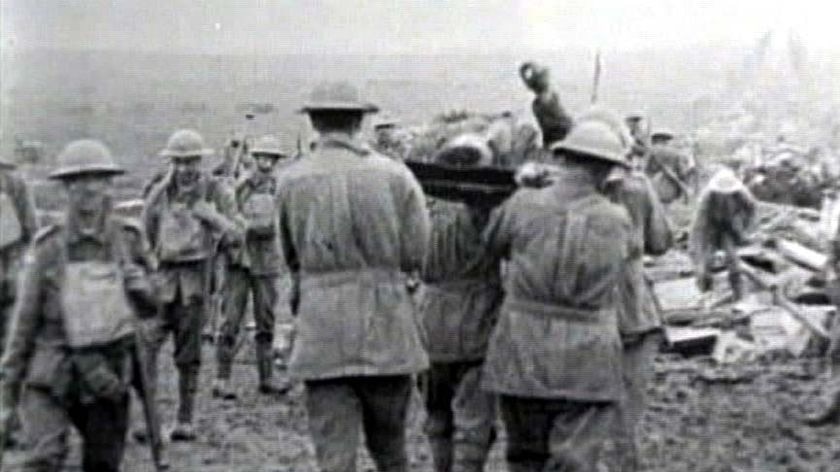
[460, 304]
[555, 356]
[69, 359]
[188, 216]
[353, 225]
[255, 270]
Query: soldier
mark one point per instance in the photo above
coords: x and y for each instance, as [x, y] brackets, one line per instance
[187, 217]
[724, 214]
[255, 270]
[459, 308]
[386, 141]
[18, 224]
[555, 355]
[69, 354]
[552, 118]
[640, 322]
[671, 171]
[353, 224]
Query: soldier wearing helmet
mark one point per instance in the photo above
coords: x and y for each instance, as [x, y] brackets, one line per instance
[671, 170]
[461, 299]
[188, 217]
[566, 245]
[70, 351]
[353, 225]
[254, 270]
[640, 322]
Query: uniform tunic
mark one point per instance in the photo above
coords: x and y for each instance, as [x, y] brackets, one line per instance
[557, 336]
[463, 293]
[353, 223]
[57, 391]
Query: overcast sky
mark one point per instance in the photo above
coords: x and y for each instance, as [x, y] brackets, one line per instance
[407, 26]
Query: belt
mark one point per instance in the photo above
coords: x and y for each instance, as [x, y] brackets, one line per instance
[341, 277]
[582, 315]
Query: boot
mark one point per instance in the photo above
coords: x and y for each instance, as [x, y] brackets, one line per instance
[265, 366]
[828, 415]
[223, 390]
[187, 385]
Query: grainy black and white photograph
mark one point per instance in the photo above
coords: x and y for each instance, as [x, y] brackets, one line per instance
[419, 236]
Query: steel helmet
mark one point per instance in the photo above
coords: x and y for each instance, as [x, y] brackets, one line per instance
[337, 96]
[85, 156]
[725, 181]
[662, 134]
[465, 150]
[386, 121]
[268, 145]
[185, 143]
[596, 139]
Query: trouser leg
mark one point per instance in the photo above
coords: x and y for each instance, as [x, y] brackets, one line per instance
[578, 433]
[439, 418]
[189, 325]
[46, 425]
[385, 403]
[237, 288]
[637, 362]
[527, 424]
[265, 301]
[102, 426]
[474, 420]
[733, 264]
[335, 415]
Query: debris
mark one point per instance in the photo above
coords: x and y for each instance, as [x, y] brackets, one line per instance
[778, 330]
[729, 349]
[800, 254]
[691, 341]
[680, 295]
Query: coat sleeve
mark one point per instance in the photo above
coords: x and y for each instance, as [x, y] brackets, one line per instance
[415, 229]
[497, 233]
[288, 246]
[25, 322]
[26, 208]
[657, 228]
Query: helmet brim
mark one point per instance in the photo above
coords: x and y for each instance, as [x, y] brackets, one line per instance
[562, 147]
[104, 171]
[339, 106]
[167, 153]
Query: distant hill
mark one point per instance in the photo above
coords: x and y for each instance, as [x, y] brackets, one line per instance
[134, 100]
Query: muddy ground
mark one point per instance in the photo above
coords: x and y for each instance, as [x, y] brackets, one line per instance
[702, 417]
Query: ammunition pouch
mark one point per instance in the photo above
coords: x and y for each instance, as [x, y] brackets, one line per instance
[261, 211]
[98, 378]
[182, 236]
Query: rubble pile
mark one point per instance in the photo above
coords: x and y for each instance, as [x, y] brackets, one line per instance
[787, 308]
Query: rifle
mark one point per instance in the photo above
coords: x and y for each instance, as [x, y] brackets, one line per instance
[146, 391]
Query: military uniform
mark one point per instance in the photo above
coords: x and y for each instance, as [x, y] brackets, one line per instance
[681, 167]
[639, 320]
[18, 224]
[459, 308]
[182, 276]
[256, 270]
[71, 347]
[353, 224]
[555, 354]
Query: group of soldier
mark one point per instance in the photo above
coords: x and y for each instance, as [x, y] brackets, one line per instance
[535, 310]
